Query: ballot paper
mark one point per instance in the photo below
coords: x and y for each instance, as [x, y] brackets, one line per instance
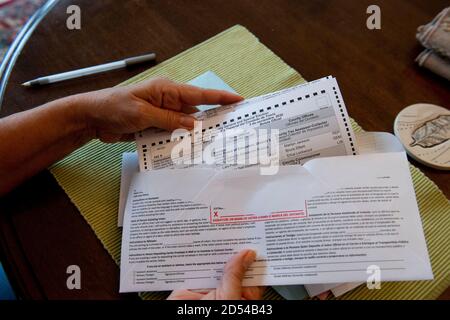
[308, 121]
[326, 222]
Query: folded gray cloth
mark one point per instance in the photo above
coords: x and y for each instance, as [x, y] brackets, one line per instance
[435, 63]
[435, 36]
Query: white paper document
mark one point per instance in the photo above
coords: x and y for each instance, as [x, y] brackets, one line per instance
[325, 222]
[377, 142]
[130, 166]
[368, 143]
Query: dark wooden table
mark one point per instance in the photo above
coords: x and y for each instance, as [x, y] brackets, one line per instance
[41, 231]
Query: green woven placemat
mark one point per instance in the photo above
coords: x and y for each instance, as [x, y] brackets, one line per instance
[91, 175]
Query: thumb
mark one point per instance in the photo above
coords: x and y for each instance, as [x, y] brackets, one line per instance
[230, 287]
[169, 119]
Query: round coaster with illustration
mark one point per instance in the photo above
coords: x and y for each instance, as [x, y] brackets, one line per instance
[424, 130]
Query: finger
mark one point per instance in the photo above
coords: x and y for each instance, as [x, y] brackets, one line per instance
[168, 94]
[323, 295]
[184, 295]
[253, 293]
[202, 291]
[167, 119]
[230, 287]
[194, 96]
[160, 92]
[189, 109]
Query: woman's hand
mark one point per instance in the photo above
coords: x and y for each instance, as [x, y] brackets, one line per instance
[45, 134]
[115, 114]
[230, 287]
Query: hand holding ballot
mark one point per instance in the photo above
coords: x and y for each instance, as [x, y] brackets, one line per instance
[116, 114]
[46, 134]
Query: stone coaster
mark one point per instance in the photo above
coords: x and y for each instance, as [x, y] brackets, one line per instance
[424, 130]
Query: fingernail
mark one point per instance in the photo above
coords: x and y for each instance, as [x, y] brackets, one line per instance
[186, 121]
[249, 258]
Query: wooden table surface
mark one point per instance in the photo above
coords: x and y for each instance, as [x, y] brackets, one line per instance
[42, 232]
